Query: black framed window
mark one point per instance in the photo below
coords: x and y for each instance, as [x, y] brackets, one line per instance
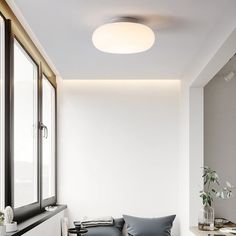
[2, 109]
[25, 133]
[28, 128]
[33, 131]
[48, 142]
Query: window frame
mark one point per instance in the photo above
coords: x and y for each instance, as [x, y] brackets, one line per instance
[18, 32]
[51, 200]
[25, 212]
[7, 136]
[2, 152]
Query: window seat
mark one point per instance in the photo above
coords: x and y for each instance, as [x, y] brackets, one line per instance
[36, 220]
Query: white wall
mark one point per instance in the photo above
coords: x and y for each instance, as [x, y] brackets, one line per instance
[220, 134]
[48, 228]
[195, 105]
[119, 147]
[190, 105]
[183, 204]
[195, 152]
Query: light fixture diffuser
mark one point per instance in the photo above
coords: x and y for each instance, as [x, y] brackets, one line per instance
[123, 36]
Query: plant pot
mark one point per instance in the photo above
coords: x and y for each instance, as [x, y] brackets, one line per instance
[206, 218]
[11, 227]
[2, 230]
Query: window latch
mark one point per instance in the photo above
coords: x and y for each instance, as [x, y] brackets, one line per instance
[44, 129]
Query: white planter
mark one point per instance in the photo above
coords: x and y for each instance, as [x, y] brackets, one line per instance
[2, 230]
[12, 227]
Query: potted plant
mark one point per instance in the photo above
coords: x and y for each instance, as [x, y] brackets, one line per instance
[2, 226]
[212, 189]
[11, 225]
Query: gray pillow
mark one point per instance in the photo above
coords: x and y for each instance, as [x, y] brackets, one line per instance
[149, 226]
[113, 230]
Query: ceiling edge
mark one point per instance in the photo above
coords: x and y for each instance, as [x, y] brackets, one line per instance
[118, 77]
[31, 34]
[220, 58]
[211, 55]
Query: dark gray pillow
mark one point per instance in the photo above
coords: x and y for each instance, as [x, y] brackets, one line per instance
[113, 230]
[149, 226]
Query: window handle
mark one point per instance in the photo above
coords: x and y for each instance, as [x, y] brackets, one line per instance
[43, 128]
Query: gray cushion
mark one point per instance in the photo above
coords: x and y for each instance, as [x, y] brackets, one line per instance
[149, 226]
[124, 230]
[114, 230]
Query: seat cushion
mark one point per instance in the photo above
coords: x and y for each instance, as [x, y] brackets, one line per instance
[149, 226]
[103, 231]
[114, 230]
[124, 230]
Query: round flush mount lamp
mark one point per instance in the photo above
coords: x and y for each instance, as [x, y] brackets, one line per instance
[125, 35]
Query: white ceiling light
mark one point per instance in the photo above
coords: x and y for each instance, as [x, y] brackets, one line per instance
[123, 36]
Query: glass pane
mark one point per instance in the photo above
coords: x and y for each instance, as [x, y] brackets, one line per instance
[25, 128]
[2, 111]
[48, 151]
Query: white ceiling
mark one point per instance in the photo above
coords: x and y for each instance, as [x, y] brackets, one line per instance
[187, 31]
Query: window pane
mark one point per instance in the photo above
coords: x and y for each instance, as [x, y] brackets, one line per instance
[25, 128]
[48, 151]
[2, 110]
